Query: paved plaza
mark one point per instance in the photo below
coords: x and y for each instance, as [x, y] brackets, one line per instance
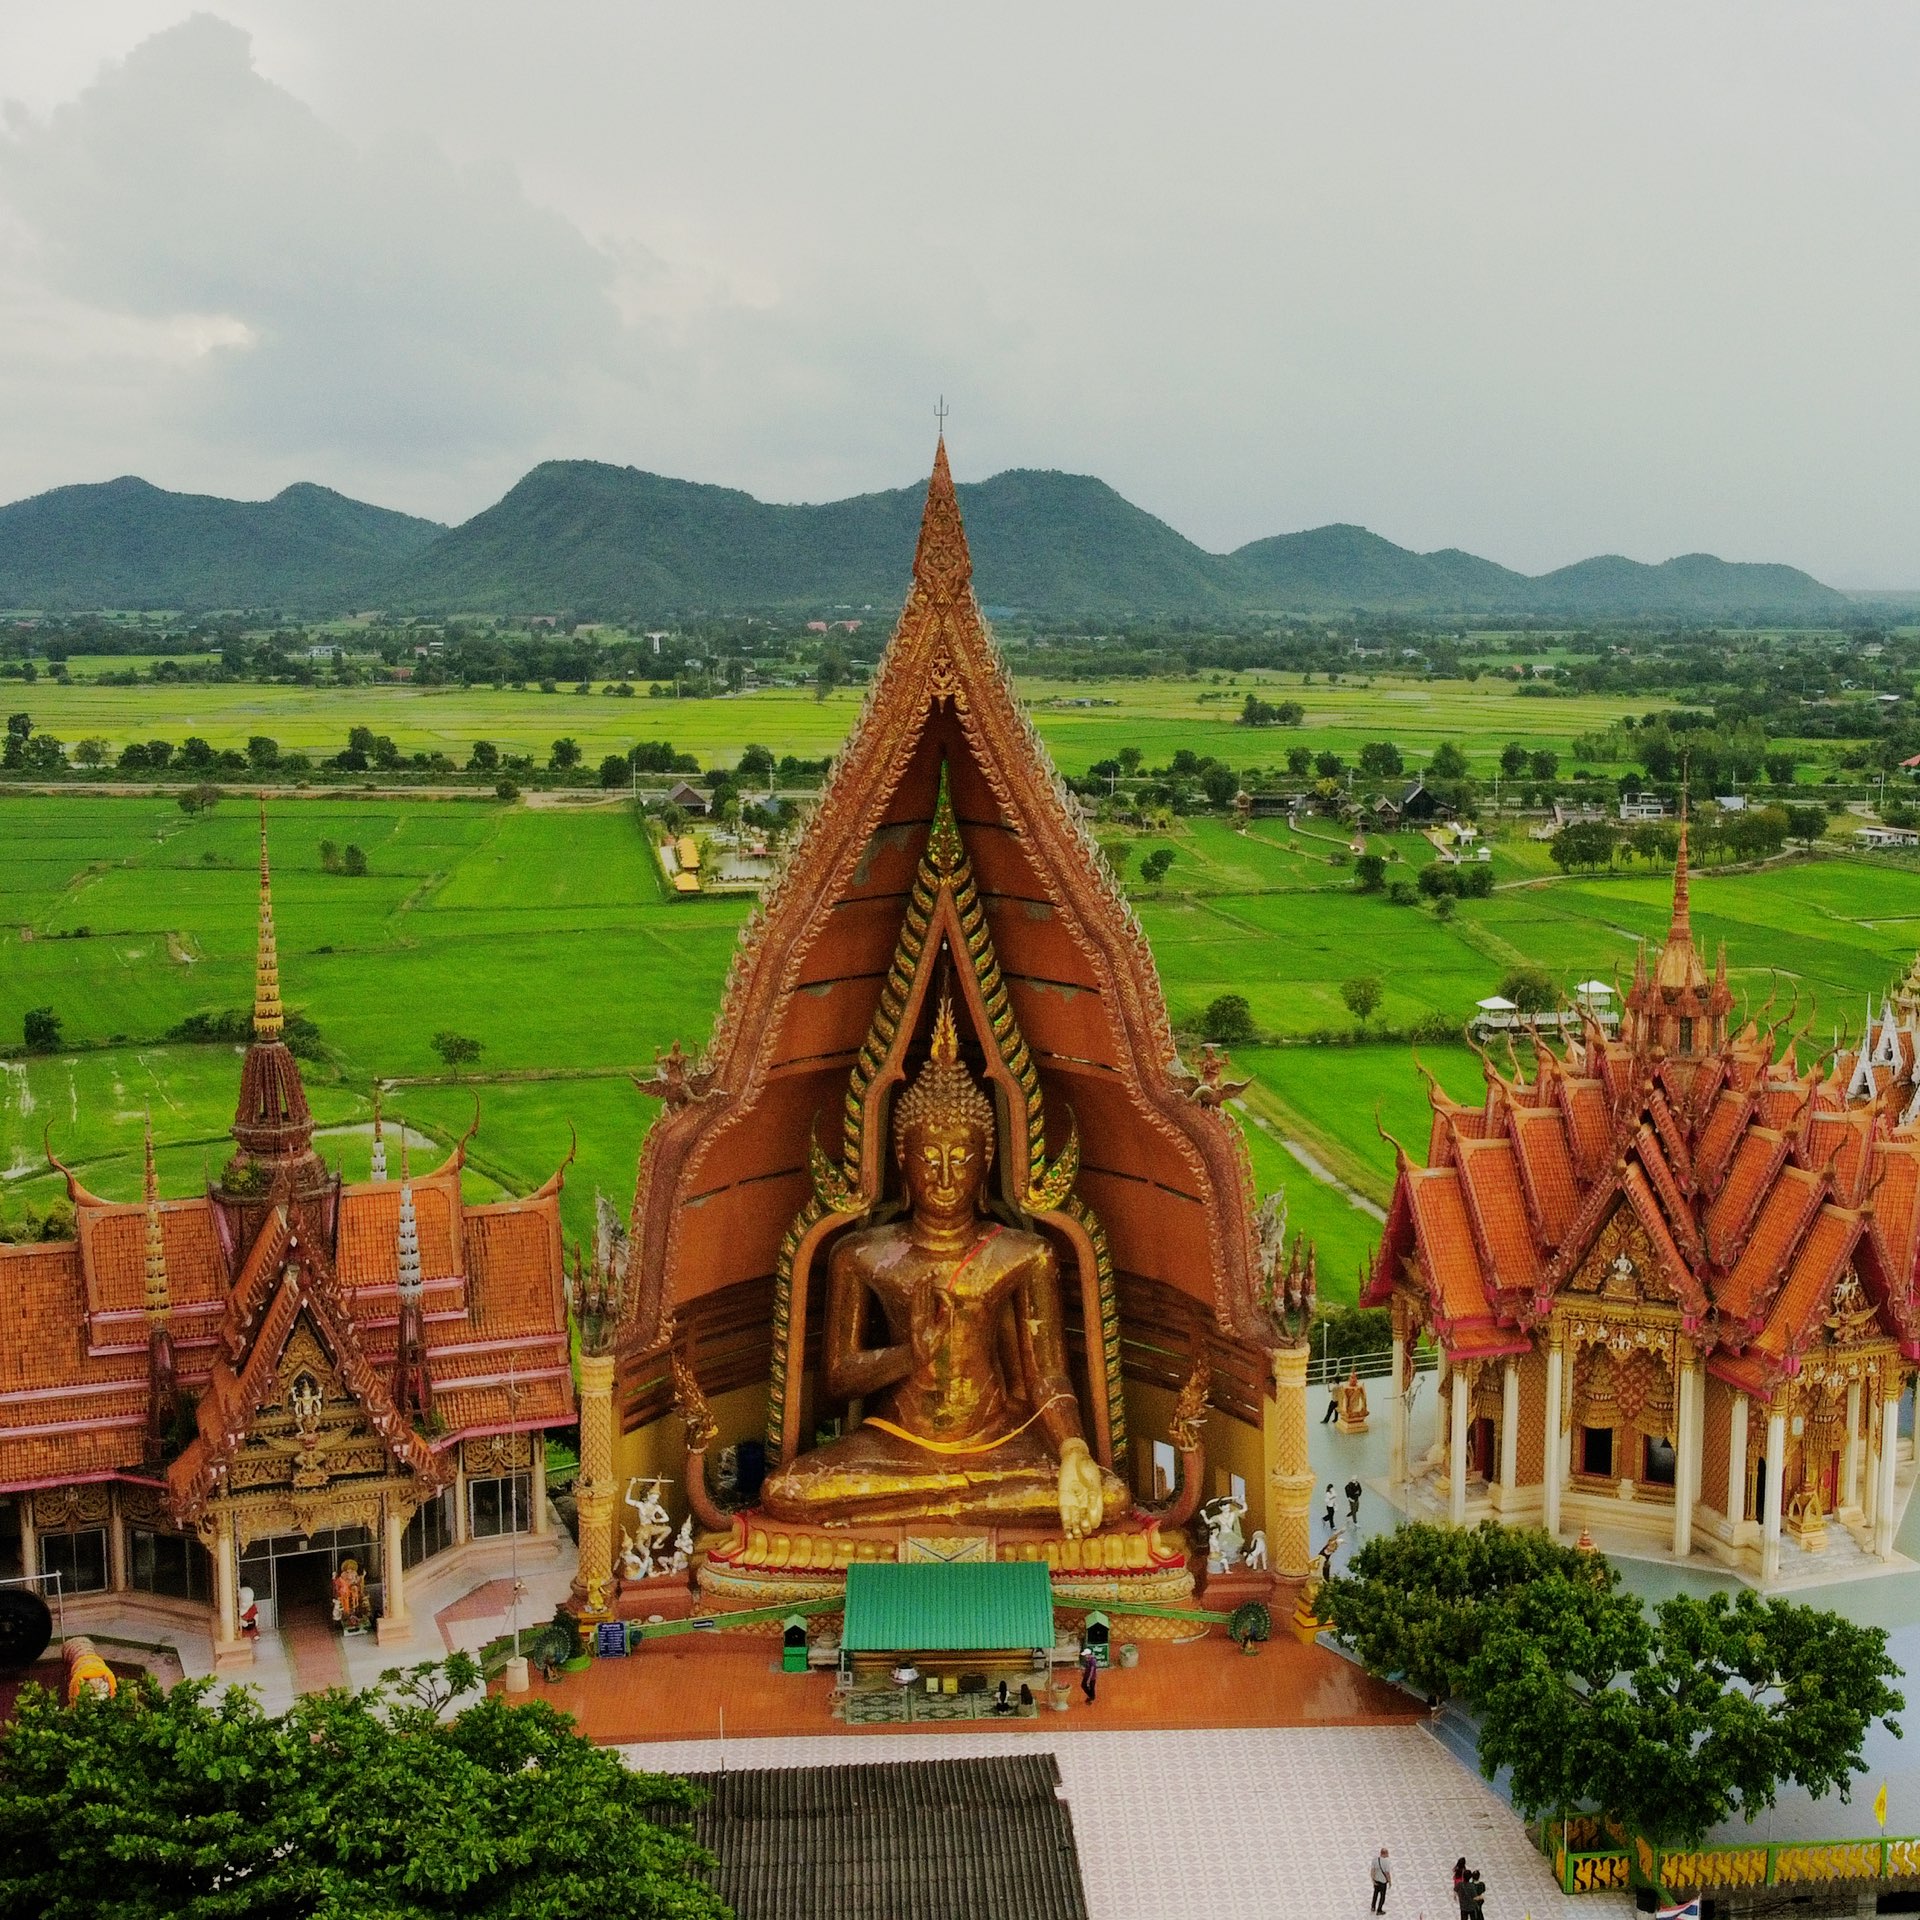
[1240, 1824]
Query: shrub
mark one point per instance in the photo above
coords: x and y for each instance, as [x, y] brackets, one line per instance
[1229, 1020]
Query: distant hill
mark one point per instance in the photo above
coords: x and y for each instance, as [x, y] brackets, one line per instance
[580, 534]
[126, 543]
[584, 536]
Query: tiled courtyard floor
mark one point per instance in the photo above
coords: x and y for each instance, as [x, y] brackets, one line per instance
[1239, 1823]
[689, 1687]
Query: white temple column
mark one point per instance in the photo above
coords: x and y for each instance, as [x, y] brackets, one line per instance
[394, 1623]
[1509, 1430]
[1397, 1444]
[29, 1540]
[1889, 1460]
[1686, 1456]
[117, 1576]
[1776, 1474]
[1457, 1451]
[540, 1526]
[462, 1520]
[230, 1646]
[1550, 1472]
[1850, 1459]
[1737, 1461]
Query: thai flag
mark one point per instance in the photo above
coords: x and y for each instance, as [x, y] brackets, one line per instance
[1687, 1910]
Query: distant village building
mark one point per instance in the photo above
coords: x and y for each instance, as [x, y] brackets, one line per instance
[1878, 839]
[689, 798]
[1642, 807]
[1673, 1281]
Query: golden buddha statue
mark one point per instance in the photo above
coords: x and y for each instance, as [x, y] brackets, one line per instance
[972, 1411]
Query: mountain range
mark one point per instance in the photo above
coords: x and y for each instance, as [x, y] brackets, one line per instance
[587, 537]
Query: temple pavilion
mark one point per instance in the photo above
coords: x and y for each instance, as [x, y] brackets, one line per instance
[1672, 1281]
[947, 893]
[249, 1386]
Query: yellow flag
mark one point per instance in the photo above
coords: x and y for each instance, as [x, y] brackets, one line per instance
[1880, 1806]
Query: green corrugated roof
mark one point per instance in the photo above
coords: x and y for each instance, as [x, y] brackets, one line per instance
[945, 1607]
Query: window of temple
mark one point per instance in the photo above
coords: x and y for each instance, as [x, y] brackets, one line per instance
[1686, 1034]
[78, 1557]
[12, 1562]
[500, 1504]
[1657, 1467]
[168, 1563]
[430, 1531]
[1596, 1450]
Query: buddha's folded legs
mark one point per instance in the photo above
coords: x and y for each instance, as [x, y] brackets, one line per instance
[875, 1476]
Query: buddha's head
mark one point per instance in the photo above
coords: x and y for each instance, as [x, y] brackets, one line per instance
[943, 1130]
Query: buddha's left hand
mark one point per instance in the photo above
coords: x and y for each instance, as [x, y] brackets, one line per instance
[1082, 1491]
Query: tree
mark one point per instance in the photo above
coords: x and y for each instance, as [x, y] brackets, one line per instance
[1328, 764]
[484, 758]
[1780, 768]
[1362, 995]
[91, 752]
[1543, 763]
[830, 673]
[565, 756]
[178, 1802]
[354, 862]
[1130, 759]
[263, 752]
[614, 770]
[1513, 760]
[1369, 873]
[1153, 869]
[1229, 1020]
[756, 764]
[456, 1050]
[1806, 824]
[1679, 1723]
[200, 799]
[1220, 785]
[1299, 761]
[1448, 762]
[1380, 760]
[1586, 843]
[1531, 989]
[41, 1030]
[330, 857]
[1415, 1602]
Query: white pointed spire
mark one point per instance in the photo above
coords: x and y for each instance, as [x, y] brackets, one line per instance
[1860, 1083]
[379, 1138]
[410, 1281]
[1886, 1052]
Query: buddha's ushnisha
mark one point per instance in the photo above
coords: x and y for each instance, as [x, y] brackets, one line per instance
[971, 1412]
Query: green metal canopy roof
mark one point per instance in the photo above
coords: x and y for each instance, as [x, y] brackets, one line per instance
[947, 1607]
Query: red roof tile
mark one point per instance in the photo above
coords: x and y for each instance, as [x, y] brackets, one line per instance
[1815, 1267]
[1546, 1170]
[1491, 1178]
[1783, 1217]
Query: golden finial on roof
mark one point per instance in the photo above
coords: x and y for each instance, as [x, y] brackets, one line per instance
[269, 1018]
[944, 1092]
[942, 566]
[158, 1292]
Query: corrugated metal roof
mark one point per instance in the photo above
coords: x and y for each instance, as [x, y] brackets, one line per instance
[917, 1840]
[943, 1607]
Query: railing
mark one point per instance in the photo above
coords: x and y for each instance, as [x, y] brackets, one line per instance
[1377, 1364]
[1583, 1862]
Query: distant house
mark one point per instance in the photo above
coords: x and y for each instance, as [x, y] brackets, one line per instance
[1730, 802]
[1879, 838]
[689, 798]
[1417, 803]
[1642, 806]
[1385, 812]
[1272, 806]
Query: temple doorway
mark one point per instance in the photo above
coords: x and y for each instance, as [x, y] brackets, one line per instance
[291, 1574]
[303, 1588]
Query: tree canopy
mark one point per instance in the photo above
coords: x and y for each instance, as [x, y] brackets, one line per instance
[181, 1803]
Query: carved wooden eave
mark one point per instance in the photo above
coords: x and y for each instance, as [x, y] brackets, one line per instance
[724, 1170]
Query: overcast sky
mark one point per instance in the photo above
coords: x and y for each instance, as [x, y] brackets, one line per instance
[1539, 281]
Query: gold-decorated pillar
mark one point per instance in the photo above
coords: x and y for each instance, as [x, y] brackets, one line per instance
[594, 1490]
[394, 1623]
[1289, 1471]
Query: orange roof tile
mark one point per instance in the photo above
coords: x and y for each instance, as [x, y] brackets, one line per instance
[1491, 1180]
[1590, 1123]
[1715, 1145]
[1783, 1217]
[1454, 1279]
[1809, 1280]
[1756, 1160]
[1546, 1170]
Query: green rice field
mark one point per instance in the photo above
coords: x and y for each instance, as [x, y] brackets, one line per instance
[543, 933]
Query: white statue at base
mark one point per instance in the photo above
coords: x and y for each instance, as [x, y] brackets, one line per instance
[682, 1547]
[651, 1531]
[1256, 1560]
[1225, 1541]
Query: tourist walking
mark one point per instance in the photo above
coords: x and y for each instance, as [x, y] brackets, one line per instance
[1353, 1491]
[1460, 1885]
[1476, 1895]
[1326, 1519]
[1333, 1405]
[1381, 1875]
[1089, 1673]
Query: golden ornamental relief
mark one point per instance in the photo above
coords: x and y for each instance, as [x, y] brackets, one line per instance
[1621, 1265]
[497, 1453]
[1850, 1315]
[57, 1509]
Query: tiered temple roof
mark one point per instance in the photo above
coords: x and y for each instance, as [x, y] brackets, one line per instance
[228, 1273]
[1749, 1188]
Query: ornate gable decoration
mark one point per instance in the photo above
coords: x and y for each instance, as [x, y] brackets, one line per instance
[1621, 1267]
[725, 1168]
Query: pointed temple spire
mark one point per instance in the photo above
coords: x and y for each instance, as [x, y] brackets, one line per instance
[268, 1018]
[409, 1244]
[158, 1295]
[379, 1170]
[1681, 927]
[412, 1393]
[163, 1393]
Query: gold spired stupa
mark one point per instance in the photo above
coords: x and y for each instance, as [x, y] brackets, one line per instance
[940, 1248]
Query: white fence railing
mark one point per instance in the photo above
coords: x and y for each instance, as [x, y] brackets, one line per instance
[1376, 1364]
